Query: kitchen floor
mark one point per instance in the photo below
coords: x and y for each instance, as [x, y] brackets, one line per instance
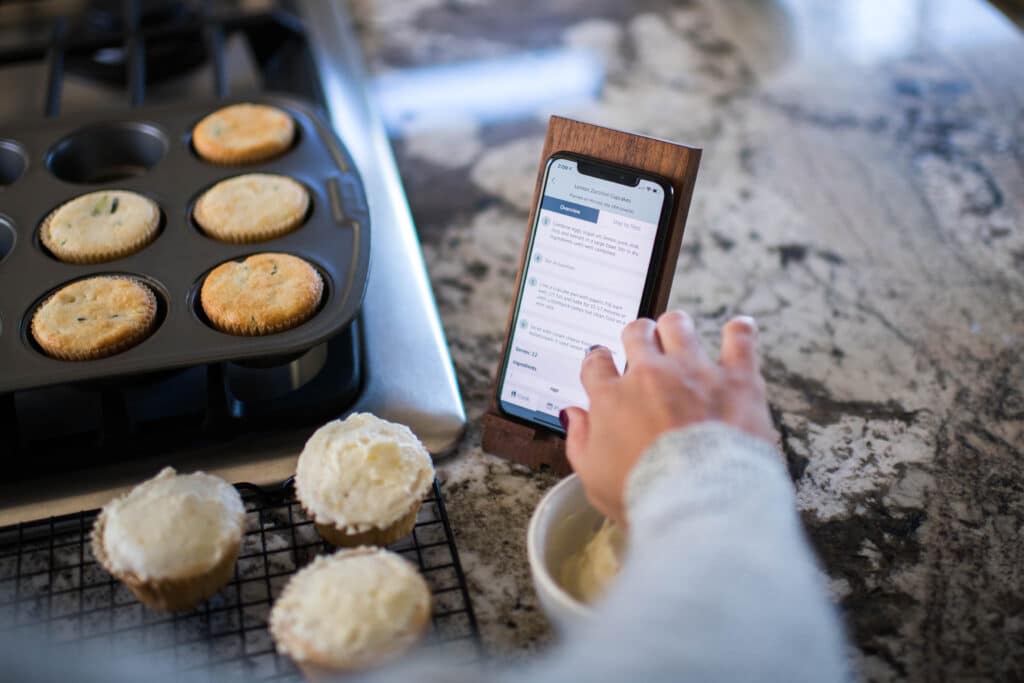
[861, 194]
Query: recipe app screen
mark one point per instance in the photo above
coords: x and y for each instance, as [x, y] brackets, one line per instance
[583, 283]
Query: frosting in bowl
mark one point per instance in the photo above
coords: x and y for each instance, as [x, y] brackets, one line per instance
[588, 572]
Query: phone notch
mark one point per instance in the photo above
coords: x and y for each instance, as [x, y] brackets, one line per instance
[615, 175]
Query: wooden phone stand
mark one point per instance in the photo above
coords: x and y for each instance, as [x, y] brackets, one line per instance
[521, 441]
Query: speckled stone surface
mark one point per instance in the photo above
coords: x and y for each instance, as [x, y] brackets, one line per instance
[861, 194]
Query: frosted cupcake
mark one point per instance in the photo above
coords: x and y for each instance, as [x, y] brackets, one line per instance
[173, 539]
[362, 480]
[350, 611]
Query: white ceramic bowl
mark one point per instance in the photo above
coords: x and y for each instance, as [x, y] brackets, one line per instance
[562, 523]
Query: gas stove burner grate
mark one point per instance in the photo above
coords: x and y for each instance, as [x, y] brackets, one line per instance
[177, 49]
[110, 15]
[133, 44]
[50, 582]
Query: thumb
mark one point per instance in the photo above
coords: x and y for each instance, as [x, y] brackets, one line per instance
[576, 430]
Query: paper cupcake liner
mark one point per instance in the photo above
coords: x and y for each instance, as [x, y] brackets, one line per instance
[375, 537]
[255, 236]
[169, 595]
[223, 156]
[112, 254]
[261, 328]
[101, 351]
[315, 671]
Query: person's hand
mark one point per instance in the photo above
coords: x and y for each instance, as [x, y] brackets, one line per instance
[669, 383]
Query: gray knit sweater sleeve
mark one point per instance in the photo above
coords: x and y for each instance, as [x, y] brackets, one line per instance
[719, 585]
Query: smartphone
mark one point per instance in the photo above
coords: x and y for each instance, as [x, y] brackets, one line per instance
[598, 232]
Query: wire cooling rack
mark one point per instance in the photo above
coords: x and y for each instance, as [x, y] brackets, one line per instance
[50, 582]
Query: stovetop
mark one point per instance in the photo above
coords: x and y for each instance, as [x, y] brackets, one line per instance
[72, 447]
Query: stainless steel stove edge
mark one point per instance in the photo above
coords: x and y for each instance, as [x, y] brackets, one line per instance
[409, 373]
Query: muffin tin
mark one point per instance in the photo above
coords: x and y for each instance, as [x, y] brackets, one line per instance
[148, 150]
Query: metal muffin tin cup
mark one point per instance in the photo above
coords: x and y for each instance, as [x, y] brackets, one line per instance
[12, 162]
[149, 150]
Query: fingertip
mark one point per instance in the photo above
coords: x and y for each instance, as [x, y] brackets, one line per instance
[739, 343]
[678, 336]
[741, 324]
[639, 339]
[597, 355]
[641, 326]
[676, 316]
[568, 416]
[563, 418]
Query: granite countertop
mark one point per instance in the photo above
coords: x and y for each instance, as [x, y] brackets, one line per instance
[861, 194]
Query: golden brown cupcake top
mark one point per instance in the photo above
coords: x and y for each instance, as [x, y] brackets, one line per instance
[243, 133]
[100, 226]
[95, 317]
[262, 294]
[251, 208]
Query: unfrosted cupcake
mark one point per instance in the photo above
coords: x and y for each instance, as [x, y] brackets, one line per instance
[350, 611]
[363, 480]
[173, 540]
[243, 133]
[100, 226]
[261, 294]
[254, 207]
[94, 318]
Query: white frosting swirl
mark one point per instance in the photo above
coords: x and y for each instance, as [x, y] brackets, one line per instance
[172, 526]
[351, 609]
[362, 473]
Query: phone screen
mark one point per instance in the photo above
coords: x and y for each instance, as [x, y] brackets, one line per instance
[585, 278]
